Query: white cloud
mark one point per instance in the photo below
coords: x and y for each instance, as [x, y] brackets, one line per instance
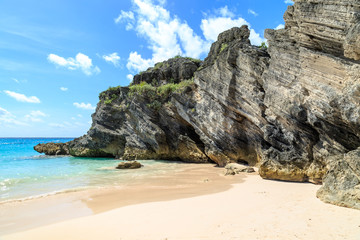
[79, 115]
[57, 125]
[86, 106]
[212, 27]
[250, 11]
[288, 2]
[81, 61]
[8, 119]
[137, 63]
[168, 36]
[126, 17]
[21, 97]
[280, 26]
[35, 116]
[130, 77]
[38, 114]
[64, 89]
[225, 12]
[255, 38]
[15, 80]
[112, 58]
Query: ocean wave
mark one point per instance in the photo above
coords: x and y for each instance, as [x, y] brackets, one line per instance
[57, 192]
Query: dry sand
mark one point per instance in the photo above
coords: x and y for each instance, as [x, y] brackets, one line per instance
[250, 209]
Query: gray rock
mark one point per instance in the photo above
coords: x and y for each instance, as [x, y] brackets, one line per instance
[235, 168]
[312, 108]
[129, 165]
[341, 185]
[173, 70]
[52, 148]
[128, 125]
[352, 43]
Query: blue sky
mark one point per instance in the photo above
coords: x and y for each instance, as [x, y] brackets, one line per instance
[57, 56]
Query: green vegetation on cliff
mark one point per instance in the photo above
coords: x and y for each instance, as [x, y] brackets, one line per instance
[162, 91]
[158, 95]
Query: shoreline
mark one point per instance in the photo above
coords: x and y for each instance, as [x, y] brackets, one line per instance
[197, 203]
[192, 180]
[252, 209]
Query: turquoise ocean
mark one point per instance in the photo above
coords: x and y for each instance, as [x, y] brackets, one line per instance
[26, 174]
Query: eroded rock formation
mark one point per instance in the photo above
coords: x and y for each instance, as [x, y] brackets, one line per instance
[293, 109]
[52, 148]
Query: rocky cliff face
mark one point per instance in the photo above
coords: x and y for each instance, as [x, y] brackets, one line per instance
[293, 109]
[141, 122]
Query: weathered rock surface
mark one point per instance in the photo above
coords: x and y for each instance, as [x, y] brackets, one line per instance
[173, 70]
[293, 109]
[310, 91]
[341, 185]
[129, 165]
[132, 126]
[235, 168]
[52, 148]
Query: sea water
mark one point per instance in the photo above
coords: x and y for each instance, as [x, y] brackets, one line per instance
[25, 174]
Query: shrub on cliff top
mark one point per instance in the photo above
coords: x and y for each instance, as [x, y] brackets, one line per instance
[160, 93]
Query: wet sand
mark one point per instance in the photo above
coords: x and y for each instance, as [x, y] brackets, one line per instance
[192, 180]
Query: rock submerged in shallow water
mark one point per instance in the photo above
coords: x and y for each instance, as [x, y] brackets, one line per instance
[129, 165]
[53, 148]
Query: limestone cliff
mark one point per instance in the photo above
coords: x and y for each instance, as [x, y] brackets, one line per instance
[293, 109]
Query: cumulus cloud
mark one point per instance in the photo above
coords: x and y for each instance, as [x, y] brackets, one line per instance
[280, 26]
[81, 61]
[35, 116]
[86, 106]
[64, 89]
[137, 63]
[112, 58]
[252, 12]
[21, 97]
[288, 2]
[168, 35]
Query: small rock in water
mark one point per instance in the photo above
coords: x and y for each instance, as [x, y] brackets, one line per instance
[129, 165]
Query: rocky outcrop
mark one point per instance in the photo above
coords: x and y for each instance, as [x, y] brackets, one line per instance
[140, 122]
[173, 70]
[129, 165]
[341, 185]
[192, 122]
[229, 99]
[52, 148]
[235, 168]
[293, 110]
[310, 85]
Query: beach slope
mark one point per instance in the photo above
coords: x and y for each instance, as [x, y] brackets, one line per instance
[254, 209]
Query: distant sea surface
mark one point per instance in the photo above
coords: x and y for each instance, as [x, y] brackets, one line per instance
[26, 174]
